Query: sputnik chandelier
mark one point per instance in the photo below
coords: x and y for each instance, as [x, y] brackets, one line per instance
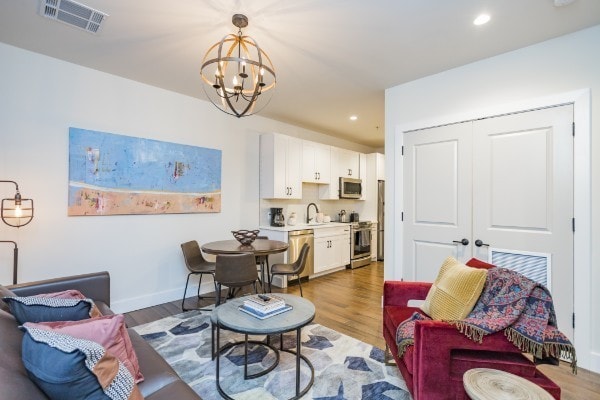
[237, 73]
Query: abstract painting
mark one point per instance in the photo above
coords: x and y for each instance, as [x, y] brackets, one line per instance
[112, 174]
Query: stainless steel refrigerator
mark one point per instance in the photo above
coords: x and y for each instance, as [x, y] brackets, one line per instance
[380, 215]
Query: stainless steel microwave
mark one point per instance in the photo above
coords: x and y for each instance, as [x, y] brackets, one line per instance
[350, 188]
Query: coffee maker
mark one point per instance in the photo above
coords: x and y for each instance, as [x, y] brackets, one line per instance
[277, 218]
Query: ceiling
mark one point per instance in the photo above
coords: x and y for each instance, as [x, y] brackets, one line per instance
[334, 58]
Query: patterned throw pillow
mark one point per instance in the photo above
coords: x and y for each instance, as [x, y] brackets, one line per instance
[454, 292]
[65, 367]
[45, 309]
[108, 331]
[72, 294]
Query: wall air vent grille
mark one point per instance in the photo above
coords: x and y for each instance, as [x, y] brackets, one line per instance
[74, 14]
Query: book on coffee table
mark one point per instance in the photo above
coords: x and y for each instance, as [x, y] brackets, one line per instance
[264, 315]
[264, 303]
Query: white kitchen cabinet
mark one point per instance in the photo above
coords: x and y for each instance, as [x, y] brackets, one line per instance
[348, 163]
[280, 167]
[316, 162]
[362, 158]
[344, 163]
[332, 248]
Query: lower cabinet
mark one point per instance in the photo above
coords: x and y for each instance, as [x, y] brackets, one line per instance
[332, 248]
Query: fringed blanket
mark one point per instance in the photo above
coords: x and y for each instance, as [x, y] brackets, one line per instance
[511, 302]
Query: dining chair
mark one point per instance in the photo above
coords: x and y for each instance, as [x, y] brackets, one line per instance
[235, 271]
[197, 265]
[295, 268]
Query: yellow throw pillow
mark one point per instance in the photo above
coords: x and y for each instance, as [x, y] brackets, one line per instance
[454, 292]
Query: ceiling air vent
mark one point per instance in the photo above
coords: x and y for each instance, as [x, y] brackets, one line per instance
[74, 14]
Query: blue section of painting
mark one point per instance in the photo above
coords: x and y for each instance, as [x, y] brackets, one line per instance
[113, 161]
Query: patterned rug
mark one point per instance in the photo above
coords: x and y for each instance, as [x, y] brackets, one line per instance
[345, 368]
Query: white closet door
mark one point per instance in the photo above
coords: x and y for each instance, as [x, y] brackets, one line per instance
[505, 184]
[437, 179]
[523, 198]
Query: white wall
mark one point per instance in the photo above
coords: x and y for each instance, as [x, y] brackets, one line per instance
[564, 64]
[40, 98]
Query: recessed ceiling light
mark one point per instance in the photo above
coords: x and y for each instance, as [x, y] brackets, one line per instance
[482, 19]
[353, 118]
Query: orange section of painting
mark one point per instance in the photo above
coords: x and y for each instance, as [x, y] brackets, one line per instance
[106, 202]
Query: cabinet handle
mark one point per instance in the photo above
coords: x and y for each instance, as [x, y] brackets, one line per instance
[350, 172]
[479, 243]
[291, 191]
[318, 175]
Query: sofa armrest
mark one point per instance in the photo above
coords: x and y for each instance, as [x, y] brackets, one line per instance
[435, 342]
[96, 286]
[398, 293]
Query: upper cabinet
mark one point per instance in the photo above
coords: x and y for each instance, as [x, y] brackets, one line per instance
[344, 164]
[363, 175]
[316, 162]
[280, 167]
[348, 163]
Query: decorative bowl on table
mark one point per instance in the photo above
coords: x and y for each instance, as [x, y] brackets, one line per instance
[244, 236]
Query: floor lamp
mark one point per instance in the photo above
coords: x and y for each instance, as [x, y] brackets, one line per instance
[16, 212]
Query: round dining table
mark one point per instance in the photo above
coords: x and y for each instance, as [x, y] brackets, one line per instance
[260, 247]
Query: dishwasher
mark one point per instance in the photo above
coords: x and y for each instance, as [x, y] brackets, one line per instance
[296, 240]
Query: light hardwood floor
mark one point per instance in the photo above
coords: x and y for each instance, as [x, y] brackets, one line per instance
[349, 301]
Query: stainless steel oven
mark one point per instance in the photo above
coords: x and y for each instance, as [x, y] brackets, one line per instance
[360, 244]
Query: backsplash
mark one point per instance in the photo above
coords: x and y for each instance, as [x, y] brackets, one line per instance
[310, 194]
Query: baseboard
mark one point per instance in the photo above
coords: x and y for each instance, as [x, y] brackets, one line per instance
[595, 362]
[156, 298]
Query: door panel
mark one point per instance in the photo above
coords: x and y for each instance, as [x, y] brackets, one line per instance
[523, 193]
[436, 177]
[519, 179]
[438, 203]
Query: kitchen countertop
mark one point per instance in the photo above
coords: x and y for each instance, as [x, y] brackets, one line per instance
[299, 227]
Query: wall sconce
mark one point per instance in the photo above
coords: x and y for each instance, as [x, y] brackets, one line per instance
[16, 212]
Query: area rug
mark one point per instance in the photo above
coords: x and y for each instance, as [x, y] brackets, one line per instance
[345, 368]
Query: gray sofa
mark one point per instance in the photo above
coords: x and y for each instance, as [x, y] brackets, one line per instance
[160, 380]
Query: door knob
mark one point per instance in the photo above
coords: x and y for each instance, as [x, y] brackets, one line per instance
[464, 242]
[479, 243]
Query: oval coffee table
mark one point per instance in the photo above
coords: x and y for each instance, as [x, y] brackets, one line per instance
[493, 384]
[229, 317]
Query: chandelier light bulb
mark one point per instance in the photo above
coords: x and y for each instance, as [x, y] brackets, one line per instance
[18, 211]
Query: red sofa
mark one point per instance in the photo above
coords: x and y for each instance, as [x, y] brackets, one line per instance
[434, 366]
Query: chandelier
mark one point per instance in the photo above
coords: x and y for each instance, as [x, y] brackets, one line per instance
[237, 73]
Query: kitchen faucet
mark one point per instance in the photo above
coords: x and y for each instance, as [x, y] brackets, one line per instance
[307, 209]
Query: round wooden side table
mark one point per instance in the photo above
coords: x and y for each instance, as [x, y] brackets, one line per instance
[493, 384]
